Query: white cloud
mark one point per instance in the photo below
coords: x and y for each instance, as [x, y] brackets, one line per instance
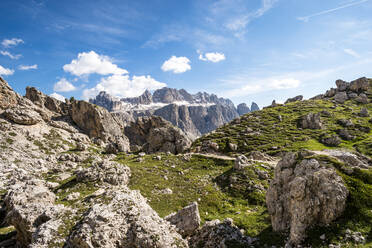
[6, 53]
[6, 71]
[58, 96]
[213, 57]
[11, 42]
[239, 23]
[91, 62]
[176, 64]
[351, 52]
[27, 67]
[324, 12]
[64, 86]
[123, 86]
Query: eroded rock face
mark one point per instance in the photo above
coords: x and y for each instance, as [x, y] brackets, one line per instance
[304, 193]
[311, 121]
[22, 115]
[127, 221]
[154, 134]
[105, 171]
[187, 220]
[31, 210]
[243, 109]
[8, 97]
[217, 234]
[241, 162]
[43, 101]
[97, 122]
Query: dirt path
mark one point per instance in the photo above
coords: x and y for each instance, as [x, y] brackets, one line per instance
[224, 157]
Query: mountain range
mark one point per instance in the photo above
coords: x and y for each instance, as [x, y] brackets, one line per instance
[195, 114]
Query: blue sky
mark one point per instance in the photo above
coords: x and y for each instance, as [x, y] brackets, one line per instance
[246, 50]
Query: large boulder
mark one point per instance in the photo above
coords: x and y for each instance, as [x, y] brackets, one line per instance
[304, 193]
[154, 134]
[310, 121]
[22, 115]
[8, 97]
[105, 171]
[341, 97]
[126, 221]
[187, 220]
[217, 234]
[359, 85]
[31, 210]
[97, 122]
[342, 85]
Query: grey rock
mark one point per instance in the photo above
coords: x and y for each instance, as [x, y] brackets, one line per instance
[345, 134]
[362, 98]
[352, 95]
[97, 122]
[31, 210]
[345, 123]
[187, 220]
[254, 107]
[331, 92]
[154, 134]
[364, 112]
[342, 85]
[310, 121]
[241, 162]
[217, 234]
[105, 171]
[303, 194]
[294, 99]
[243, 109]
[22, 115]
[332, 140]
[126, 221]
[341, 97]
[8, 98]
[43, 101]
[359, 85]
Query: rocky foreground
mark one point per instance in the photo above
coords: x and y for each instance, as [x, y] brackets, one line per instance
[69, 171]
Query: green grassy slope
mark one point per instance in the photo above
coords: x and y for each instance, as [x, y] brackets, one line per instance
[263, 131]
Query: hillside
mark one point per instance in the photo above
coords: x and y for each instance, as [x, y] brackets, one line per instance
[277, 129]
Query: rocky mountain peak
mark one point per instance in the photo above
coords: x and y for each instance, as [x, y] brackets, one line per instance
[254, 107]
[243, 109]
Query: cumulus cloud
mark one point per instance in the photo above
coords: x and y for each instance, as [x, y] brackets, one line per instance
[6, 71]
[6, 53]
[123, 86]
[11, 42]
[176, 64]
[27, 67]
[213, 57]
[58, 96]
[90, 63]
[64, 86]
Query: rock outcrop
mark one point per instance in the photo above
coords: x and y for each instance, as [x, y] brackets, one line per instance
[311, 121]
[97, 122]
[243, 109]
[23, 115]
[44, 101]
[32, 211]
[8, 97]
[294, 99]
[154, 134]
[217, 234]
[126, 221]
[187, 220]
[304, 193]
[254, 107]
